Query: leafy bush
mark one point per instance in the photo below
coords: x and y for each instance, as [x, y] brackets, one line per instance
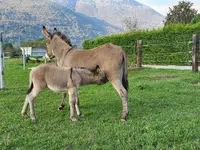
[15, 53]
[169, 45]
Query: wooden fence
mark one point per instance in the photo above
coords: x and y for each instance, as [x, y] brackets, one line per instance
[195, 51]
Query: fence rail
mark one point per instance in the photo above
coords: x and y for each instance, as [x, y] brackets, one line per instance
[191, 56]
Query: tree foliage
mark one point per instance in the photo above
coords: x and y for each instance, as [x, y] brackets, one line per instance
[34, 43]
[196, 19]
[10, 51]
[181, 13]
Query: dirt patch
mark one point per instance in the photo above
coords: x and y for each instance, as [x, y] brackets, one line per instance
[162, 77]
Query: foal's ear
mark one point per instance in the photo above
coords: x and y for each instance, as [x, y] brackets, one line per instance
[55, 30]
[46, 32]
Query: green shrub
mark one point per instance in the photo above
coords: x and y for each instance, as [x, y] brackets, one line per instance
[169, 45]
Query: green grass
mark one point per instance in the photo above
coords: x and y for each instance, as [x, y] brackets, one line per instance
[164, 110]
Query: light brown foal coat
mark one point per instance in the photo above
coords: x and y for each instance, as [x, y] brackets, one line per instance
[59, 79]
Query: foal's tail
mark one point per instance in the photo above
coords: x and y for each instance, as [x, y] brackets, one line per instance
[30, 88]
[125, 71]
[30, 85]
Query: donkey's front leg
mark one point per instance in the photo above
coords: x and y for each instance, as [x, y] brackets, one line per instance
[72, 99]
[62, 106]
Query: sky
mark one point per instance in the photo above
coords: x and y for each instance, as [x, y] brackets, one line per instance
[162, 6]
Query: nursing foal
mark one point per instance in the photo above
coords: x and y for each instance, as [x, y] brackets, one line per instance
[60, 79]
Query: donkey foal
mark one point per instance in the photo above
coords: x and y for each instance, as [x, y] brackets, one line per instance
[60, 79]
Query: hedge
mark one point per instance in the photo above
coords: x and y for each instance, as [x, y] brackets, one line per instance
[168, 45]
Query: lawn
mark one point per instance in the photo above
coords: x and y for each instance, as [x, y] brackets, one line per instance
[164, 108]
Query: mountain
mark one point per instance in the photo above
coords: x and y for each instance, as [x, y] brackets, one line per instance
[115, 11]
[23, 20]
[80, 19]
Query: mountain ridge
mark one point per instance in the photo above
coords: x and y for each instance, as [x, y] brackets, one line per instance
[115, 11]
[23, 20]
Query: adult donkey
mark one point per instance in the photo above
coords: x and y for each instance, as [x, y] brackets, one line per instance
[49, 55]
[109, 59]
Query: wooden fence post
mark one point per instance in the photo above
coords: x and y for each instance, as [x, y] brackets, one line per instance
[139, 53]
[195, 49]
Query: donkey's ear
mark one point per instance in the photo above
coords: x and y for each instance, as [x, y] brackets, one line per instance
[55, 30]
[46, 32]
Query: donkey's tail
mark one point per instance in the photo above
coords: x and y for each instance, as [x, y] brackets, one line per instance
[30, 84]
[125, 72]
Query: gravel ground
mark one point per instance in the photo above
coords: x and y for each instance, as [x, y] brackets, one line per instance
[169, 67]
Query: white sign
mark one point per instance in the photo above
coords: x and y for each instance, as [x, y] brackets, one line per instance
[27, 51]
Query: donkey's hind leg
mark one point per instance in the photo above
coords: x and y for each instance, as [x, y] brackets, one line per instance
[124, 97]
[35, 92]
[62, 106]
[77, 106]
[30, 101]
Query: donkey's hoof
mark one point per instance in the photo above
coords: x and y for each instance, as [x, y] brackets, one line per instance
[123, 118]
[81, 115]
[73, 119]
[61, 108]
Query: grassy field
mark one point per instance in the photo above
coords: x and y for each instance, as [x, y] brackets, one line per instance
[164, 110]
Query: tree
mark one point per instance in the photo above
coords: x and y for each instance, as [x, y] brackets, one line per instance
[34, 43]
[196, 19]
[15, 53]
[10, 51]
[131, 23]
[181, 13]
[8, 48]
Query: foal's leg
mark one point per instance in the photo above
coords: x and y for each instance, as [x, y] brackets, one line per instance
[62, 106]
[77, 106]
[124, 97]
[32, 109]
[25, 107]
[72, 100]
[33, 95]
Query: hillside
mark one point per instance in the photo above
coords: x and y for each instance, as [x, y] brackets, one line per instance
[23, 20]
[115, 11]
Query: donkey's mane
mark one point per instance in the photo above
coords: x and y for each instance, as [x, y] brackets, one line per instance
[63, 37]
[61, 42]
